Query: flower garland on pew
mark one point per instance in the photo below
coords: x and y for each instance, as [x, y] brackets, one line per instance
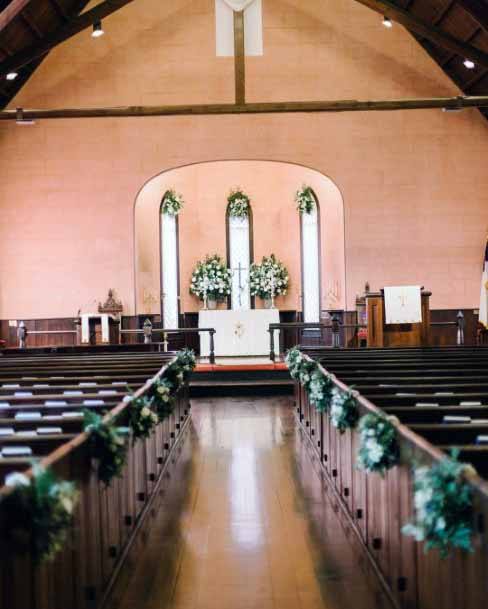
[107, 445]
[443, 497]
[379, 449]
[37, 514]
[443, 501]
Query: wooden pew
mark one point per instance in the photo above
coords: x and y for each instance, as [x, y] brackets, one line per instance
[107, 520]
[375, 508]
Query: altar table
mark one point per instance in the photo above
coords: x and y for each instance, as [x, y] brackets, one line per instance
[238, 333]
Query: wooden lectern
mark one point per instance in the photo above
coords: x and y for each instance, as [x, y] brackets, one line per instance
[381, 334]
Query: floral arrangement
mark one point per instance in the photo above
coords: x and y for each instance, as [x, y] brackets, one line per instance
[344, 411]
[37, 514]
[142, 418]
[443, 506]
[320, 390]
[294, 360]
[305, 200]
[211, 279]
[268, 279]
[172, 203]
[163, 398]
[238, 204]
[318, 386]
[379, 449]
[107, 444]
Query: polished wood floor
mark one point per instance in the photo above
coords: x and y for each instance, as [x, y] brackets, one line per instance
[245, 522]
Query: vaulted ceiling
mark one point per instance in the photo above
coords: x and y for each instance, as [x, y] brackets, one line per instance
[463, 24]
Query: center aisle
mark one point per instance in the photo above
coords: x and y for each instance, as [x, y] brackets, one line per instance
[248, 525]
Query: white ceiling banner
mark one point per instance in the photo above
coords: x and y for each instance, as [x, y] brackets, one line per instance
[224, 26]
[239, 5]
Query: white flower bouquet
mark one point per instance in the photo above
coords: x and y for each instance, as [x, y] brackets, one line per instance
[268, 279]
[211, 279]
[305, 200]
[238, 204]
[172, 203]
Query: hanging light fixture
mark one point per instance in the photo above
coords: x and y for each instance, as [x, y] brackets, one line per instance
[387, 22]
[11, 76]
[97, 30]
[470, 65]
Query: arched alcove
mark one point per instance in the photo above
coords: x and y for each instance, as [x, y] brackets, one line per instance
[271, 187]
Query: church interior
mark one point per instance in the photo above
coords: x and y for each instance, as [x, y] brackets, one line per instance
[243, 304]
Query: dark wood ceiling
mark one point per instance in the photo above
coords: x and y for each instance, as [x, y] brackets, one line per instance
[464, 20]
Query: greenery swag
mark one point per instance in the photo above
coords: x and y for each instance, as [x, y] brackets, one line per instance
[172, 203]
[268, 279]
[37, 514]
[379, 449]
[443, 504]
[344, 412]
[108, 445]
[305, 200]
[163, 397]
[238, 204]
[211, 279]
[142, 418]
[316, 384]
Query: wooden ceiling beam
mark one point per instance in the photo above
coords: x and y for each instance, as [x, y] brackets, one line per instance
[452, 103]
[11, 11]
[59, 9]
[477, 10]
[426, 30]
[75, 26]
[32, 27]
[239, 58]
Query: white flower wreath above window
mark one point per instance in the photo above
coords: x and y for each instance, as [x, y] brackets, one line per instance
[172, 203]
[305, 200]
[238, 204]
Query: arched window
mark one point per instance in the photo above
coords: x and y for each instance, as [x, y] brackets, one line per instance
[239, 257]
[170, 280]
[310, 252]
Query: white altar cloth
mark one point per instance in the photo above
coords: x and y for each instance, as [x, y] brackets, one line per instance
[238, 332]
[85, 326]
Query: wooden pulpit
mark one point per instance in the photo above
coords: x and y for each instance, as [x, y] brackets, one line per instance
[381, 334]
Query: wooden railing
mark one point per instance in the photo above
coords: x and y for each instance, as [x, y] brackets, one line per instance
[106, 522]
[376, 508]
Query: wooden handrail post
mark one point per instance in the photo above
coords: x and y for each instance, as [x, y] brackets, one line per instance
[272, 355]
[460, 327]
[212, 347]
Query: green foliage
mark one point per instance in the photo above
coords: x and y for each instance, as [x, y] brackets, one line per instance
[379, 449]
[172, 203]
[443, 503]
[37, 514]
[142, 418]
[238, 204]
[211, 278]
[305, 200]
[344, 412]
[163, 398]
[107, 444]
[316, 384]
[320, 390]
[268, 279]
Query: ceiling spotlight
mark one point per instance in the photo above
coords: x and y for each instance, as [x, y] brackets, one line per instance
[469, 64]
[97, 30]
[11, 76]
[387, 22]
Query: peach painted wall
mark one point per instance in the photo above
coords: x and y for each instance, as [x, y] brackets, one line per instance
[414, 183]
[271, 187]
